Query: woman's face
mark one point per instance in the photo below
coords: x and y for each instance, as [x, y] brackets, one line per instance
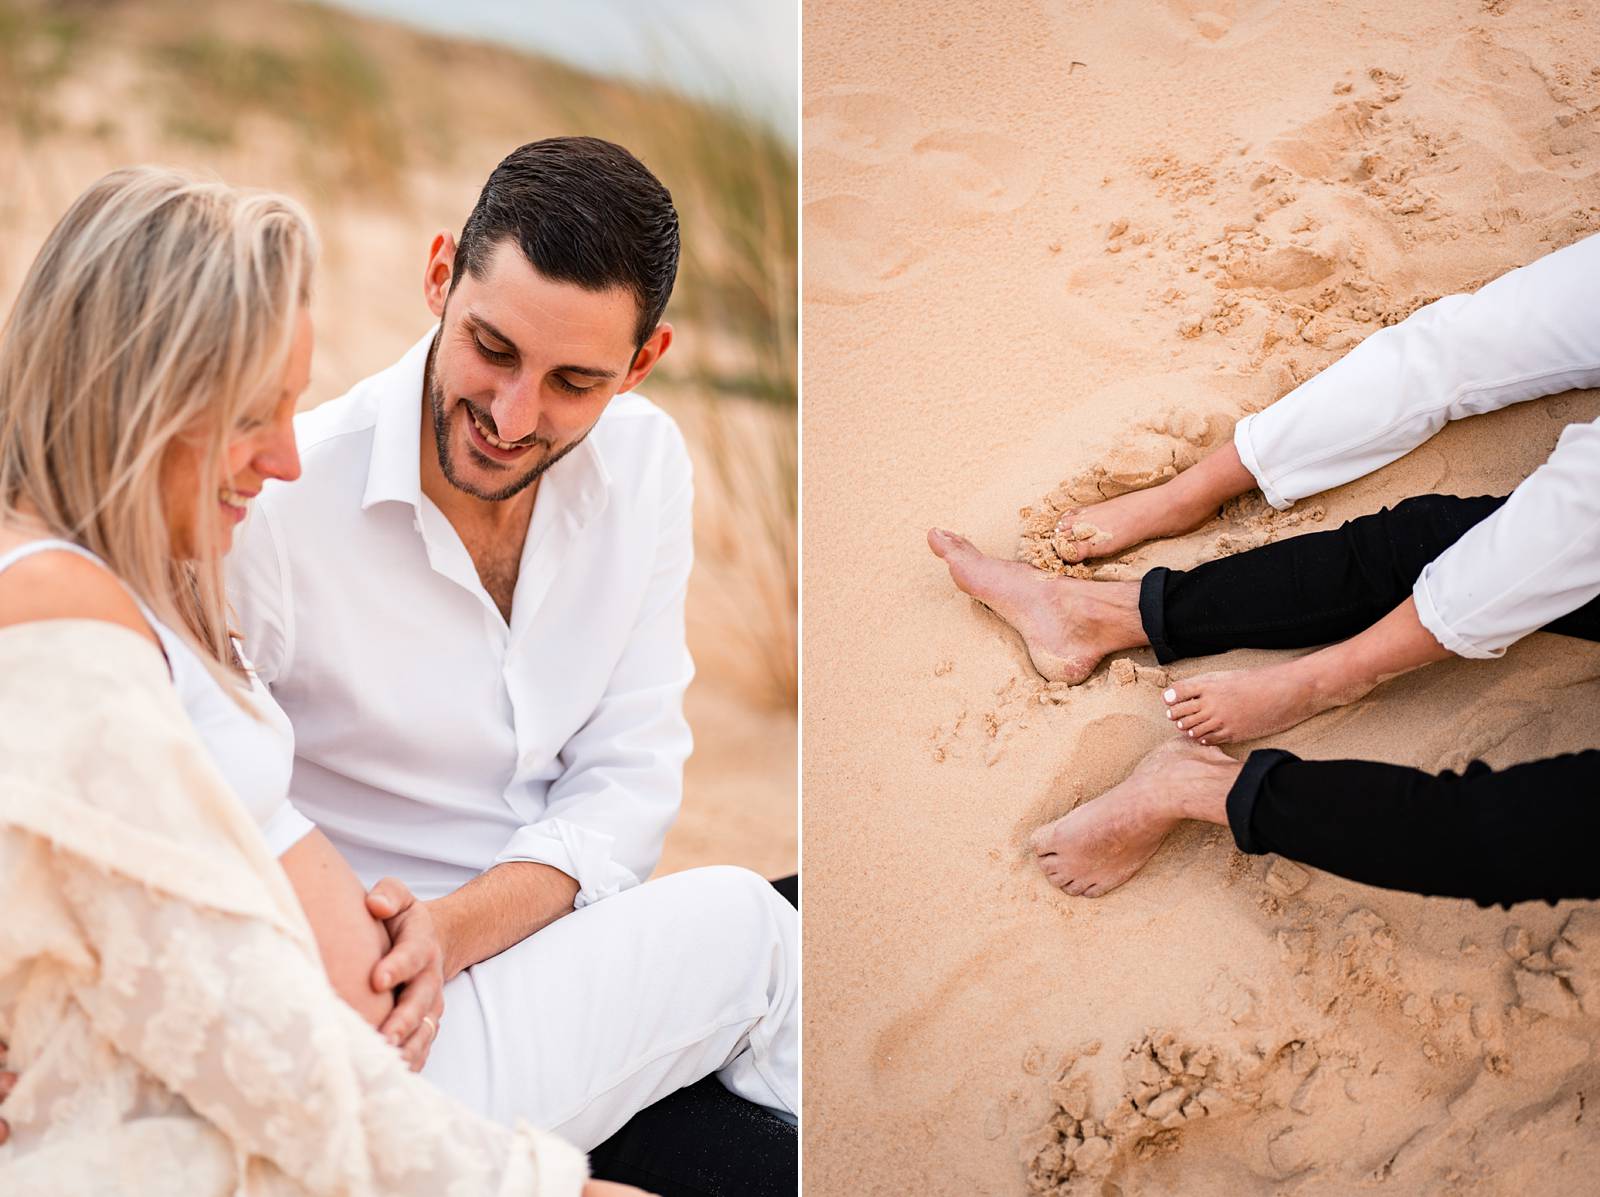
[258, 449]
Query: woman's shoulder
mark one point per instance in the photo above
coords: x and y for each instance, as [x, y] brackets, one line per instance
[60, 584]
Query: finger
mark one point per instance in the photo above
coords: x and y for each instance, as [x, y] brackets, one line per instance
[404, 962]
[416, 999]
[415, 1049]
[388, 898]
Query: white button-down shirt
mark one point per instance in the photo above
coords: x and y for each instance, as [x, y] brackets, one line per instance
[433, 741]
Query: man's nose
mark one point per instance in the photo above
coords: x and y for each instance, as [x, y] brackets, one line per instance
[516, 410]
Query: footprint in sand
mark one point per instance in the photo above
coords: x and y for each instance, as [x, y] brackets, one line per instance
[1214, 19]
[977, 173]
[853, 251]
[863, 126]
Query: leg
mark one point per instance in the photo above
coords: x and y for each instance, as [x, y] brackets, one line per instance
[703, 1142]
[1522, 834]
[617, 1005]
[1306, 590]
[1174, 507]
[1316, 588]
[1101, 843]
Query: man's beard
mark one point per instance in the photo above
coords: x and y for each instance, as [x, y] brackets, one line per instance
[441, 436]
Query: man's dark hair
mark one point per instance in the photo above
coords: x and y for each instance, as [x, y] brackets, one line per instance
[582, 211]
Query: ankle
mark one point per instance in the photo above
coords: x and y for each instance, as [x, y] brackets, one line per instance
[1332, 677]
[1112, 608]
[1204, 797]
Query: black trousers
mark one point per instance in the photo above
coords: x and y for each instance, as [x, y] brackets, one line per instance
[1522, 833]
[704, 1141]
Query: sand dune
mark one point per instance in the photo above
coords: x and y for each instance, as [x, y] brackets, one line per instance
[1053, 252]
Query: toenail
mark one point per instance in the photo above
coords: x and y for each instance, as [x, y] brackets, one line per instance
[1191, 735]
[1171, 696]
[1169, 714]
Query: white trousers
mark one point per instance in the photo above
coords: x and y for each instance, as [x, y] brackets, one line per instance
[1532, 332]
[582, 1025]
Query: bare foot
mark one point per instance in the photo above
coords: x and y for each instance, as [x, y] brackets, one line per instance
[1246, 704]
[1100, 844]
[1104, 529]
[1067, 625]
[1174, 507]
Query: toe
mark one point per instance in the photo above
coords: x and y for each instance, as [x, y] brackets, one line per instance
[1075, 888]
[1204, 728]
[1181, 692]
[944, 543]
[1188, 708]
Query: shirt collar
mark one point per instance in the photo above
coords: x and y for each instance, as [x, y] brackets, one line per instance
[394, 473]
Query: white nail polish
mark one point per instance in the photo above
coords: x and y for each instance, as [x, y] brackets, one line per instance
[1169, 714]
[1191, 735]
[1171, 696]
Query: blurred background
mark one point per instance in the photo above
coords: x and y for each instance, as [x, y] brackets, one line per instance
[384, 117]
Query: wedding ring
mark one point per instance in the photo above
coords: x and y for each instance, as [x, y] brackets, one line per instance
[433, 1027]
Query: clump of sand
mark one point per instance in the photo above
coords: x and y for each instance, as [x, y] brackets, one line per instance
[1052, 256]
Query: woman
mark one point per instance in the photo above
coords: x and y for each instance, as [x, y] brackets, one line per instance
[159, 984]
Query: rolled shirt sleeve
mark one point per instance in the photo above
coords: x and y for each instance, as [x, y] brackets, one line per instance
[1531, 332]
[608, 813]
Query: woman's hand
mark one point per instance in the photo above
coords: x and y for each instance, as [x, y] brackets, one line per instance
[414, 966]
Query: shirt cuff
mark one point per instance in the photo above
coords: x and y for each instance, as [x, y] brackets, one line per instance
[286, 828]
[1429, 616]
[558, 1168]
[580, 852]
[1247, 457]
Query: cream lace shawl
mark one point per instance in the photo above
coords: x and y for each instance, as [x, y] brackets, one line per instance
[159, 985]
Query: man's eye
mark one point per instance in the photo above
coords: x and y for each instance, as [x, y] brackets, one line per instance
[571, 388]
[491, 354]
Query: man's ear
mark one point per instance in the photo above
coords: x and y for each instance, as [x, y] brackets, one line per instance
[441, 269]
[649, 354]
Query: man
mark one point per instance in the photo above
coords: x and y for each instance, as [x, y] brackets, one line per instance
[471, 607]
[1436, 576]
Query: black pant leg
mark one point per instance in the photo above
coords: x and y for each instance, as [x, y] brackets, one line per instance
[703, 1141]
[789, 888]
[1306, 590]
[1523, 833]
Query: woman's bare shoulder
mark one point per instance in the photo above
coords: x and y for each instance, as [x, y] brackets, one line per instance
[58, 584]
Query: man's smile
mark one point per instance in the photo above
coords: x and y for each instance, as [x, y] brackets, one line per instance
[491, 446]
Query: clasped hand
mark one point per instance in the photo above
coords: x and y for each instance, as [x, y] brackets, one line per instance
[413, 969]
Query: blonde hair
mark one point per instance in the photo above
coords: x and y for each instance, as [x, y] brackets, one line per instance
[162, 305]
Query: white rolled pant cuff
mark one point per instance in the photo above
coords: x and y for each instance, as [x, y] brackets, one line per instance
[1530, 332]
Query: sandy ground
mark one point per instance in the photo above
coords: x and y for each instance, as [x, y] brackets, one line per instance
[740, 785]
[1054, 251]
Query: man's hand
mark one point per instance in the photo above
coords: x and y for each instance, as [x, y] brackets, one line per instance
[8, 1081]
[414, 967]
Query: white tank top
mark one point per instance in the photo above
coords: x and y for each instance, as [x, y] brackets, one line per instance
[255, 756]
